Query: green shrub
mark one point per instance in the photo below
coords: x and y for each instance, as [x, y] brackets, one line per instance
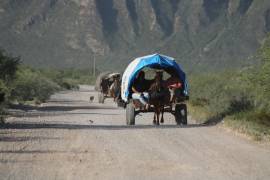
[69, 84]
[69, 78]
[220, 93]
[21, 83]
[3, 92]
[8, 67]
[242, 97]
[32, 86]
[262, 79]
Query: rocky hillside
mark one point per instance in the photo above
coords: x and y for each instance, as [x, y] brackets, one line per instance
[201, 34]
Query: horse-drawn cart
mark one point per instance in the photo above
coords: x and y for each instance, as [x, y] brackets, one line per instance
[178, 94]
[108, 86]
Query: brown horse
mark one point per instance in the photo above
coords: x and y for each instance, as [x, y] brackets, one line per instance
[159, 97]
[104, 86]
[115, 88]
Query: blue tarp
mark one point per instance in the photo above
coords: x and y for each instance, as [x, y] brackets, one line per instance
[155, 61]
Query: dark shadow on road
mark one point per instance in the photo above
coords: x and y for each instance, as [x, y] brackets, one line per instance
[58, 108]
[94, 127]
[44, 114]
[21, 139]
[4, 132]
[66, 101]
[87, 91]
[31, 151]
[14, 161]
[214, 120]
[34, 111]
[40, 152]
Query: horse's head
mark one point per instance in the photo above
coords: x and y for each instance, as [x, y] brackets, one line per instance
[158, 92]
[158, 80]
[115, 87]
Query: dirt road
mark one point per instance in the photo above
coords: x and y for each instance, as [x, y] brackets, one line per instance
[71, 138]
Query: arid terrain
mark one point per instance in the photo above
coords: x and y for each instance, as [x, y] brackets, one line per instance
[70, 137]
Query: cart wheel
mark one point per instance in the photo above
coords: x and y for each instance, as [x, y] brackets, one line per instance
[181, 114]
[101, 98]
[130, 114]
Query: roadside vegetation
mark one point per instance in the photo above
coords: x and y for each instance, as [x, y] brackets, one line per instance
[26, 85]
[240, 98]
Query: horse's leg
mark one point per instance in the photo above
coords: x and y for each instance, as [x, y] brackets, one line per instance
[114, 97]
[154, 121]
[162, 112]
[158, 113]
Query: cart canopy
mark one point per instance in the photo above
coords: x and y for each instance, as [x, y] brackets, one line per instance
[99, 79]
[105, 75]
[156, 61]
[112, 75]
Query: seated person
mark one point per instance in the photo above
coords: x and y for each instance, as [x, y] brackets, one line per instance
[104, 85]
[115, 88]
[140, 88]
[173, 83]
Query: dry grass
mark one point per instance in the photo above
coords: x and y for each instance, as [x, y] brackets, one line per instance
[253, 125]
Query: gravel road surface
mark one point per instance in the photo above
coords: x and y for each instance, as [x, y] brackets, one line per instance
[72, 138]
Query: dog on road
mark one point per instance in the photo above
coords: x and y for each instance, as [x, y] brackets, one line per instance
[91, 99]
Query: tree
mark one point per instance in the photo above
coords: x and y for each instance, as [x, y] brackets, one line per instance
[8, 67]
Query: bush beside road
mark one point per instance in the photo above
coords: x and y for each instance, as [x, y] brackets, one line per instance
[240, 98]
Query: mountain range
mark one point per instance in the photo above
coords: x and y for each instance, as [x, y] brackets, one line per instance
[202, 35]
